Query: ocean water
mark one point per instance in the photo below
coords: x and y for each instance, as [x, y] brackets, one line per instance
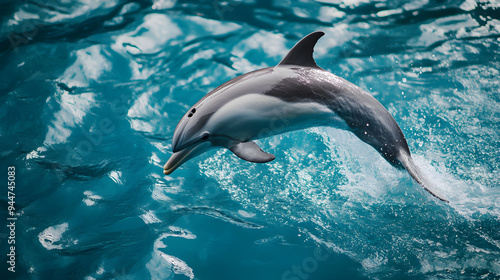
[91, 92]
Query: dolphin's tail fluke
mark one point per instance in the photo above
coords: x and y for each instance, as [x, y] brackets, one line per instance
[416, 174]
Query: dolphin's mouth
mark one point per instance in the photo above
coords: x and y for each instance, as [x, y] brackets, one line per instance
[180, 157]
[176, 160]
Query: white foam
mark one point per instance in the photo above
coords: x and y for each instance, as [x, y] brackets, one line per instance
[51, 237]
[469, 198]
[90, 198]
[161, 264]
[150, 218]
[116, 176]
[178, 266]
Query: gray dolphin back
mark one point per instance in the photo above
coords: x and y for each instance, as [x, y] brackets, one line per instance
[363, 114]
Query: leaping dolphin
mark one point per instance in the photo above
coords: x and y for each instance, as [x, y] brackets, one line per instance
[295, 94]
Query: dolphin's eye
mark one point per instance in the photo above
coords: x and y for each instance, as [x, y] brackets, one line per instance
[205, 136]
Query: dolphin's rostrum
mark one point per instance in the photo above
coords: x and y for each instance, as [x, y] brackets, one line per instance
[295, 94]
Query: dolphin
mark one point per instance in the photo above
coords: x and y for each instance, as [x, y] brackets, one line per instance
[295, 94]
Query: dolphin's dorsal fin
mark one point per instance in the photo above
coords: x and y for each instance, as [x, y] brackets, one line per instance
[302, 53]
[250, 151]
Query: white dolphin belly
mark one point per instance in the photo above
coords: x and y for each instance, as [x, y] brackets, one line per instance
[254, 116]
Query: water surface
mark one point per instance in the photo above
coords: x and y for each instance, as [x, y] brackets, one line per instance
[91, 92]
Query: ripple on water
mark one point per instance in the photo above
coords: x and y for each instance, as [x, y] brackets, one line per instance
[92, 91]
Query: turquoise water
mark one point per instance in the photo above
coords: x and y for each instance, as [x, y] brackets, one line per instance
[91, 92]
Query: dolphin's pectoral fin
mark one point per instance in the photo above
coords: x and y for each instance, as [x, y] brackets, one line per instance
[250, 151]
